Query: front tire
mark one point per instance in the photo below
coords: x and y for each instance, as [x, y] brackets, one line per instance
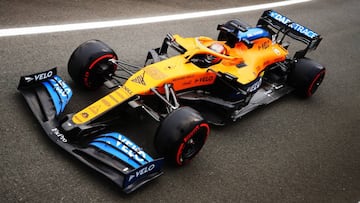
[181, 135]
[89, 64]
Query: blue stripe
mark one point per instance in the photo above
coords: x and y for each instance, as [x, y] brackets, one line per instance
[109, 149]
[65, 92]
[123, 148]
[59, 91]
[54, 96]
[253, 33]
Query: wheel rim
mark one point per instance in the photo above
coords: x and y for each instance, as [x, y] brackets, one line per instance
[316, 83]
[96, 71]
[193, 143]
[190, 149]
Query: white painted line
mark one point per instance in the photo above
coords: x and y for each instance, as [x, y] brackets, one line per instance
[136, 21]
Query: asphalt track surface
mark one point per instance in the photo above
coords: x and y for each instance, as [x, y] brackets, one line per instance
[294, 150]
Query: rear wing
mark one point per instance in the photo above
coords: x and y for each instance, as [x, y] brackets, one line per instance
[276, 22]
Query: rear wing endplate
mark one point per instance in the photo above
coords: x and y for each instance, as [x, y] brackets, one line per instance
[277, 22]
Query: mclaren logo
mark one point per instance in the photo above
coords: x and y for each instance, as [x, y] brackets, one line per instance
[29, 79]
[140, 79]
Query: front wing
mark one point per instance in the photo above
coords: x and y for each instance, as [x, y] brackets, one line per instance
[109, 153]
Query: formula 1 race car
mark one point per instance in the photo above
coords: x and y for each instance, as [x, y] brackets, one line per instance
[185, 84]
[267, 72]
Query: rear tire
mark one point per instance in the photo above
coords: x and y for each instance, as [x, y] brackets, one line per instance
[306, 76]
[181, 135]
[89, 64]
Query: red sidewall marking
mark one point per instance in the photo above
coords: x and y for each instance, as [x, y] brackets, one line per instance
[87, 73]
[187, 138]
[309, 93]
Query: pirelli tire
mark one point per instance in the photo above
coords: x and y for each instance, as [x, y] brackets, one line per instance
[306, 76]
[181, 135]
[89, 64]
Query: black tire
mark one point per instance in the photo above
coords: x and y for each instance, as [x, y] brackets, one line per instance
[181, 135]
[306, 76]
[89, 64]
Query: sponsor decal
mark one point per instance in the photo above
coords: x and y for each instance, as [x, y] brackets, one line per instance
[28, 79]
[122, 148]
[206, 78]
[264, 45]
[187, 77]
[84, 115]
[59, 134]
[94, 108]
[187, 83]
[113, 98]
[130, 148]
[127, 90]
[39, 76]
[141, 172]
[155, 73]
[43, 76]
[295, 26]
[106, 102]
[179, 153]
[118, 93]
[255, 86]
[252, 34]
[58, 90]
[62, 88]
[139, 79]
[255, 33]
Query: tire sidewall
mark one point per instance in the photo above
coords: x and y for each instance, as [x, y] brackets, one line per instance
[198, 129]
[84, 58]
[303, 76]
[176, 130]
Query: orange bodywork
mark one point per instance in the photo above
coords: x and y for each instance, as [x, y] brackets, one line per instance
[246, 64]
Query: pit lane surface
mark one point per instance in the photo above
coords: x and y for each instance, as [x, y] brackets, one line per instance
[291, 151]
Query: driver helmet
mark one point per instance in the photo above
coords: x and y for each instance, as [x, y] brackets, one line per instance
[218, 48]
